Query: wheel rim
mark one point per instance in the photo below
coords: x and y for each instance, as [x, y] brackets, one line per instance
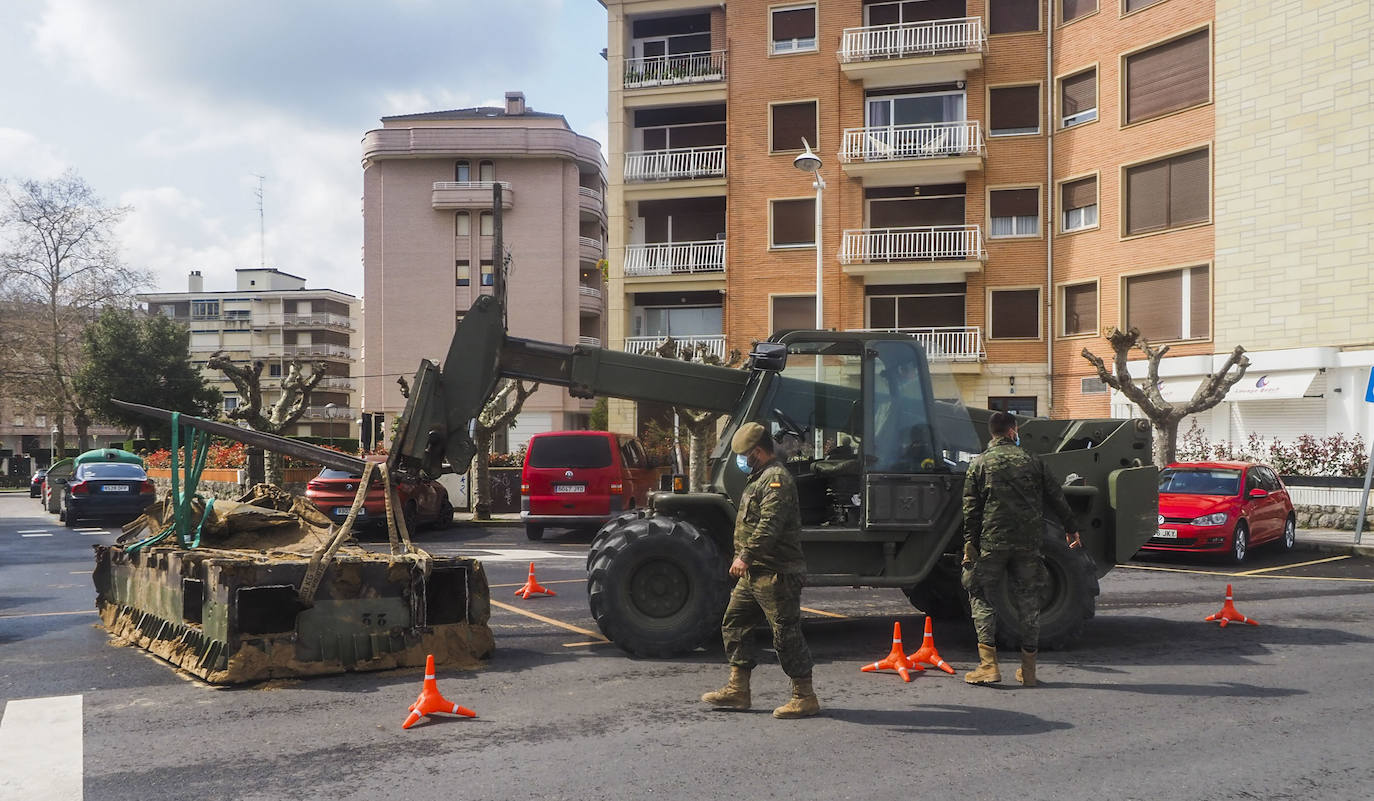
[1238, 545]
[659, 589]
[1290, 533]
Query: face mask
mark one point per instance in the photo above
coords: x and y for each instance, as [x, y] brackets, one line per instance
[1018, 439]
[742, 462]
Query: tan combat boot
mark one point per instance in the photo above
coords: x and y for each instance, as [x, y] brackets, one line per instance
[1026, 673]
[735, 693]
[802, 704]
[987, 671]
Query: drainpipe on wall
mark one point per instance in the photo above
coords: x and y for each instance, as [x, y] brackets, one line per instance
[1049, 209]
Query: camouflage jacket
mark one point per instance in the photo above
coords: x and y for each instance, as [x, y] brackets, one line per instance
[1006, 494]
[768, 526]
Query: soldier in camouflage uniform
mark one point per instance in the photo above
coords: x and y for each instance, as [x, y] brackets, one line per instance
[771, 570]
[1006, 494]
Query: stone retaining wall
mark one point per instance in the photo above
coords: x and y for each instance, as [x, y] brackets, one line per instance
[1337, 517]
[222, 490]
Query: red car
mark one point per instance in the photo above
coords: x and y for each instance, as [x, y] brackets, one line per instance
[582, 479]
[423, 503]
[1222, 507]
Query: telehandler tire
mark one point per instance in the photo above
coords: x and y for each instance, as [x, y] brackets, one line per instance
[940, 595]
[1069, 600]
[657, 587]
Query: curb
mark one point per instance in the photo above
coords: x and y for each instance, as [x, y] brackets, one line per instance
[1345, 548]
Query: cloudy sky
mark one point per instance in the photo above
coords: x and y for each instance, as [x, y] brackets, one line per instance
[174, 108]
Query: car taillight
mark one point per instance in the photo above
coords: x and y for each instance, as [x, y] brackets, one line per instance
[524, 488]
[617, 487]
[312, 486]
[79, 488]
[147, 487]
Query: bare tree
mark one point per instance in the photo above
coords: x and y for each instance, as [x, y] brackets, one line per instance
[495, 415]
[59, 255]
[700, 425]
[1164, 416]
[283, 413]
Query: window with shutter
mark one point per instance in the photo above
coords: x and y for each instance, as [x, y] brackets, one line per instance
[486, 171]
[1168, 193]
[1073, 9]
[1015, 314]
[1080, 309]
[1168, 77]
[1171, 305]
[1078, 99]
[486, 226]
[793, 122]
[794, 223]
[1078, 201]
[1014, 212]
[462, 272]
[462, 224]
[794, 312]
[1136, 5]
[1014, 110]
[794, 29]
[1013, 16]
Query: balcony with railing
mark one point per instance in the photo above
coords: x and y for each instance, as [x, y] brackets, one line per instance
[675, 164]
[469, 194]
[316, 351]
[311, 320]
[677, 69]
[591, 342]
[590, 201]
[927, 253]
[676, 259]
[590, 248]
[918, 52]
[901, 155]
[712, 344]
[589, 299]
[341, 413]
[948, 344]
[335, 382]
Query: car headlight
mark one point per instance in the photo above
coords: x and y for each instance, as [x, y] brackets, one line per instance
[1210, 520]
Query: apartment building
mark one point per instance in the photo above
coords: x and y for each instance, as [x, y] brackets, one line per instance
[271, 317]
[428, 188]
[1005, 179]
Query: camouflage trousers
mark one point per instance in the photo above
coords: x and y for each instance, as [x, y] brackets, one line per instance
[1028, 577]
[762, 595]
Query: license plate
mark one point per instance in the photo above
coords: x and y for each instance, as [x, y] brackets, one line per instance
[562, 488]
[343, 511]
[114, 488]
[1167, 534]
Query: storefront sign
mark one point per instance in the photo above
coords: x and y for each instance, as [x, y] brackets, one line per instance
[1272, 386]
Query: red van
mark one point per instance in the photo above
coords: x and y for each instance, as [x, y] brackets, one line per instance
[581, 479]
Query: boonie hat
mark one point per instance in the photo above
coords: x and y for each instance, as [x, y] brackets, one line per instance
[746, 438]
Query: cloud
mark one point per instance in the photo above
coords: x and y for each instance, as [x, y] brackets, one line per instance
[25, 156]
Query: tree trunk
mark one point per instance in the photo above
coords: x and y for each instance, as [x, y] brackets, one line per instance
[83, 432]
[699, 454]
[1165, 442]
[275, 472]
[257, 469]
[481, 478]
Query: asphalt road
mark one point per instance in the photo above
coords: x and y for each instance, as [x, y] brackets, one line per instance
[1152, 703]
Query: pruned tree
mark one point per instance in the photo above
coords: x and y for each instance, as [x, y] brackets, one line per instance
[495, 415]
[283, 413]
[58, 255]
[700, 424]
[1164, 416]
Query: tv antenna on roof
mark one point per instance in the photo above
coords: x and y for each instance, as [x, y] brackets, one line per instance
[262, 226]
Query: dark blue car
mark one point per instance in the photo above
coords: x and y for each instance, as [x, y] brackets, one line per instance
[106, 490]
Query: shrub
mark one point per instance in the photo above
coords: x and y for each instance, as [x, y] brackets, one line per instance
[1308, 455]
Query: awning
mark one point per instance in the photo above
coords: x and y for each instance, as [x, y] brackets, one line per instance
[1179, 389]
[1272, 386]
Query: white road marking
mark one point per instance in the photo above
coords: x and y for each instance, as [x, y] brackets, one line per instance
[100, 532]
[41, 749]
[516, 555]
[89, 529]
[31, 530]
[42, 534]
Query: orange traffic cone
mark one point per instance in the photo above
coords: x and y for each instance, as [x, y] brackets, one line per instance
[896, 660]
[431, 700]
[1228, 613]
[532, 587]
[927, 653]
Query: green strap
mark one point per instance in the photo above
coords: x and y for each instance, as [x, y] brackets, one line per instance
[197, 449]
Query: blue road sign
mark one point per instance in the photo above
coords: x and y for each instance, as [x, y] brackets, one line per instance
[1369, 391]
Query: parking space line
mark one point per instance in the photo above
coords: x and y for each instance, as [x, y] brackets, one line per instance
[97, 533]
[37, 534]
[78, 572]
[31, 531]
[88, 529]
[548, 620]
[555, 581]
[823, 614]
[1299, 564]
[9, 616]
[582, 644]
[1243, 575]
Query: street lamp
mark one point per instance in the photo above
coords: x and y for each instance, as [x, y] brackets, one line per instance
[329, 415]
[52, 447]
[811, 163]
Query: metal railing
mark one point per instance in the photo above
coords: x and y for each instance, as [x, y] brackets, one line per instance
[589, 292]
[927, 37]
[923, 141]
[714, 344]
[313, 319]
[335, 382]
[588, 192]
[678, 68]
[917, 243]
[674, 258]
[334, 351]
[594, 342]
[948, 344]
[487, 185]
[675, 163]
[330, 413]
